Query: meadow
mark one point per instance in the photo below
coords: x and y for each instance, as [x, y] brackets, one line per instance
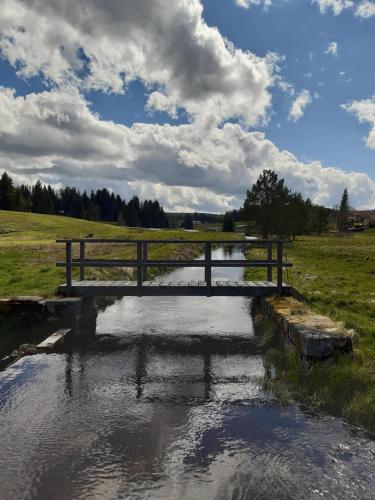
[28, 251]
[335, 272]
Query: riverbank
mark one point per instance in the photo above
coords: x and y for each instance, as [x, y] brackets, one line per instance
[28, 251]
[336, 275]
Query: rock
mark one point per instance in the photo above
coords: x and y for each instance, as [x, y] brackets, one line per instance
[27, 349]
[313, 335]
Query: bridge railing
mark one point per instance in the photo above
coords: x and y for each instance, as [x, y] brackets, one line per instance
[142, 262]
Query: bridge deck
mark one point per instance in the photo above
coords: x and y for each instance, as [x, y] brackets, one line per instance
[166, 287]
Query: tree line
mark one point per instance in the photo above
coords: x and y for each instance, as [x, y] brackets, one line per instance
[100, 205]
[272, 209]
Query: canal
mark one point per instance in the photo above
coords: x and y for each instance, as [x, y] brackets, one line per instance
[162, 398]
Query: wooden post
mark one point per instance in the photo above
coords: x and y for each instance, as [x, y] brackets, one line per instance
[269, 257]
[279, 267]
[207, 268]
[145, 260]
[139, 268]
[68, 268]
[82, 260]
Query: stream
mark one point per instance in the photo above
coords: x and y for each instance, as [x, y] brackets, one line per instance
[162, 398]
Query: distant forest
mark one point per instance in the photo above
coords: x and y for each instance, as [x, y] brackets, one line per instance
[100, 205]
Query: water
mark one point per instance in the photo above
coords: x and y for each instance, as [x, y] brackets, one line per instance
[164, 401]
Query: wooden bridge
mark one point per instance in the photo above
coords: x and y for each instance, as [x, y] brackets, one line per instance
[164, 286]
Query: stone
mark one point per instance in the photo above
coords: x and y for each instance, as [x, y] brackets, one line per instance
[313, 335]
[27, 349]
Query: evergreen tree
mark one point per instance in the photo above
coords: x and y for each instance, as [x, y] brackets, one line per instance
[7, 193]
[100, 205]
[266, 204]
[41, 201]
[188, 222]
[343, 213]
[228, 223]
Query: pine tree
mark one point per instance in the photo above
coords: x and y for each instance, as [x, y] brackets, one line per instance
[7, 193]
[266, 204]
[228, 224]
[188, 222]
[343, 213]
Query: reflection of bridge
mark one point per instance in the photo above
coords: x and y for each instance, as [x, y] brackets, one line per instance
[188, 366]
[165, 287]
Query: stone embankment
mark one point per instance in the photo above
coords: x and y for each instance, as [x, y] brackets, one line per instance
[313, 336]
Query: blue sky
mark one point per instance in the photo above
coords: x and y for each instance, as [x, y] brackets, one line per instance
[189, 103]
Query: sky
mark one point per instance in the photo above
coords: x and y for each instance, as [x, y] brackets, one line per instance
[188, 101]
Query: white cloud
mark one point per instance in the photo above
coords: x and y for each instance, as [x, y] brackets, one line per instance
[365, 9]
[337, 6]
[246, 4]
[167, 45]
[365, 112]
[299, 104]
[54, 136]
[332, 49]
[206, 164]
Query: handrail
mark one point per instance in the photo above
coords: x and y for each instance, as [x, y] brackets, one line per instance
[195, 242]
[142, 262]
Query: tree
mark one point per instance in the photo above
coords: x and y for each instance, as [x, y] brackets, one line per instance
[7, 192]
[228, 223]
[42, 202]
[188, 222]
[343, 213]
[266, 204]
[100, 205]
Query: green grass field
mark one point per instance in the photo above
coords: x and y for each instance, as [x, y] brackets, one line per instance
[336, 273]
[28, 251]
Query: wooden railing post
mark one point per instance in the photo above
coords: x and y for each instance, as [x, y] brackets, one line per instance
[145, 260]
[68, 267]
[207, 268]
[139, 267]
[279, 267]
[269, 257]
[82, 260]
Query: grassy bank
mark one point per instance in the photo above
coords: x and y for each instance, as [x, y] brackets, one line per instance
[28, 251]
[336, 274]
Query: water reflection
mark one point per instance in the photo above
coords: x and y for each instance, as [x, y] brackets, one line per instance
[163, 400]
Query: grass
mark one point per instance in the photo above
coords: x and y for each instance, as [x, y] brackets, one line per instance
[28, 251]
[336, 274]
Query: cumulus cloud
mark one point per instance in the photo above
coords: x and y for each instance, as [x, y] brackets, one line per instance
[365, 112]
[206, 164]
[364, 9]
[299, 104]
[55, 137]
[332, 49]
[167, 45]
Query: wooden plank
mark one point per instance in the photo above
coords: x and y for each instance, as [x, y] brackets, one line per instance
[193, 283]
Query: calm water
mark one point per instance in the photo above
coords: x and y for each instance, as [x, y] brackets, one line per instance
[163, 401]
